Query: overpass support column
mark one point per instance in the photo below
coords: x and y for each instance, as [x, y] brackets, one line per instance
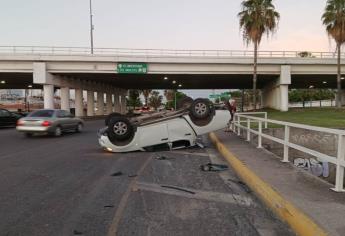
[117, 105]
[123, 102]
[48, 96]
[100, 103]
[276, 94]
[79, 106]
[90, 103]
[284, 97]
[109, 103]
[41, 76]
[64, 94]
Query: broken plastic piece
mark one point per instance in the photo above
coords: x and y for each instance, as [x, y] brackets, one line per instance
[76, 232]
[117, 173]
[177, 188]
[213, 167]
[161, 158]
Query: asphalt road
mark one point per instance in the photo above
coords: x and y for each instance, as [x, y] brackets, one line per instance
[64, 186]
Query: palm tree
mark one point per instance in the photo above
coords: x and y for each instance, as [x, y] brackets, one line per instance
[258, 17]
[146, 93]
[155, 100]
[169, 94]
[334, 20]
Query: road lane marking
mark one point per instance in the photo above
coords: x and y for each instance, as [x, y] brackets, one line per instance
[123, 202]
[200, 195]
[201, 154]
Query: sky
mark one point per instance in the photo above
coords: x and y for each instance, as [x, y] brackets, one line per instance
[168, 24]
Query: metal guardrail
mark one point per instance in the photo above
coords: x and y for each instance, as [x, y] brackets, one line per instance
[338, 160]
[43, 50]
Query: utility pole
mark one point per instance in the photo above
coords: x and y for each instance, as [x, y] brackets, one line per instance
[91, 26]
[175, 99]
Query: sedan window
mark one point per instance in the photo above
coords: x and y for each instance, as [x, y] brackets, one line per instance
[42, 113]
[60, 114]
[4, 113]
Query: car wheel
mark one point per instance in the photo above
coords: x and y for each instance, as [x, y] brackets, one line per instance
[79, 128]
[110, 116]
[184, 103]
[120, 128]
[57, 131]
[201, 108]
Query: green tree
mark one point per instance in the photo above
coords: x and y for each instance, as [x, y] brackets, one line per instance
[334, 20]
[155, 99]
[174, 94]
[133, 100]
[304, 95]
[258, 17]
[169, 94]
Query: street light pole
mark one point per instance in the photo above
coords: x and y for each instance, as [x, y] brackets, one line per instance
[175, 100]
[91, 26]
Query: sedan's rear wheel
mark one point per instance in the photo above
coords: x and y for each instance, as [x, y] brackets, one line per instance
[79, 128]
[57, 131]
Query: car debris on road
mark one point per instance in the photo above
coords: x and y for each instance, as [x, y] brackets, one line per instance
[213, 167]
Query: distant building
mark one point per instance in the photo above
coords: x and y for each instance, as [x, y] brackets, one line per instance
[18, 93]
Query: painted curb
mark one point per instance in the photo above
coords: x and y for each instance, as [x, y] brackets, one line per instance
[299, 222]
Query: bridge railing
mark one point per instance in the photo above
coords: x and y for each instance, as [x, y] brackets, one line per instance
[42, 50]
[250, 123]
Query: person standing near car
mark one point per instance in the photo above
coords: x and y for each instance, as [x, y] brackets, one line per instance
[231, 106]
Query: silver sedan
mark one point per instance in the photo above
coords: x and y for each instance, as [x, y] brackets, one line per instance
[49, 121]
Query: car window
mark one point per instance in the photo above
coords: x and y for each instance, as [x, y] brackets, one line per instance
[42, 113]
[60, 114]
[4, 113]
[66, 114]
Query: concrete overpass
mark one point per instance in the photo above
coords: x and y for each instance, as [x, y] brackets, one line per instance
[75, 68]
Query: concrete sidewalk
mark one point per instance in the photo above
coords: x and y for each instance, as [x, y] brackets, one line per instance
[305, 192]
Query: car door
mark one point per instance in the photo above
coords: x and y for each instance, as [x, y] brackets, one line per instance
[61, 119]
[180, 130]
[70, 120]
[154, 134]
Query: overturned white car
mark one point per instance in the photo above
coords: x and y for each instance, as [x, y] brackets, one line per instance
[173, 129]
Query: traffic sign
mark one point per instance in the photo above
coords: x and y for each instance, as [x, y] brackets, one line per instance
[131, 68]
[214, 96]
[222, 95]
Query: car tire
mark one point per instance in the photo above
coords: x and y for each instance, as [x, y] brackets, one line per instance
[120, 129]
[184, 103]
[110, 116]
[79, 128]
[201, 108]
[58, 131]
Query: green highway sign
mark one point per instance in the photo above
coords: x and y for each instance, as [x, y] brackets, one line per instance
[222, 95]
[214, 96]
[131, 68]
